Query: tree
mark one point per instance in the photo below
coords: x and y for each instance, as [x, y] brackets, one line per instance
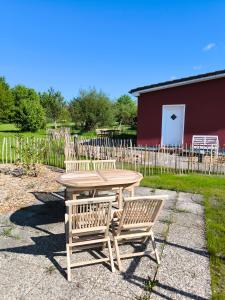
[6, 101]
[29, 114]
[54, 105]
[91, 109]
[125, 110]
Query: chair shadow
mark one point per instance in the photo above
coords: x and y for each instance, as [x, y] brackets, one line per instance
[50, 210]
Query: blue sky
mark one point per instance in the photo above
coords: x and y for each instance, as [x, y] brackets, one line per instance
[111, 45]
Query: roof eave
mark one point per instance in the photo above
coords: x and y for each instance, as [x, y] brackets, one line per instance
[149, 90]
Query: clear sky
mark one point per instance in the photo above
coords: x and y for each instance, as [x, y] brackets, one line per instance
[113, 45]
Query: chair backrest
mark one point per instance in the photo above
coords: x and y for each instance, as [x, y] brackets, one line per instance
[141, 211]
[109, 164]
[92, 214]
[77, 165]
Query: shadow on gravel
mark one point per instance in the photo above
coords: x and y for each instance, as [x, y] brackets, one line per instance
[51, 210]
[196, 251]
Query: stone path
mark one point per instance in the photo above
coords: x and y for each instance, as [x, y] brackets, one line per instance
[32, 256]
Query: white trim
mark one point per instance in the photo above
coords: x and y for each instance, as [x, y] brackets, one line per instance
[137, 93]
[183, 105]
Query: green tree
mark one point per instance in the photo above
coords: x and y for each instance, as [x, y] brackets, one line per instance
[6, 101]
[125, 110]
[91, 109]
[54, 105]
[29, 113]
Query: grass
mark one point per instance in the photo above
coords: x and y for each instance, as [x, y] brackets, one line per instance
[49, 270]
[150, 284]
[8, 232]
[12, 130]
[213, 190]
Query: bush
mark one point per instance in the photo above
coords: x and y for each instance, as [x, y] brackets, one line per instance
[91, 109]
[30, 116]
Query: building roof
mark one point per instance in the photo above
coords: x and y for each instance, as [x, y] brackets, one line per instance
[177, 82]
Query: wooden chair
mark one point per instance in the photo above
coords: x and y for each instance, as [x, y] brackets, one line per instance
[77, 165]
[109, 164]
[87, 226]
[135, 221]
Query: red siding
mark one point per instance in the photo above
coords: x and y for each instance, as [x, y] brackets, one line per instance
[204, 114]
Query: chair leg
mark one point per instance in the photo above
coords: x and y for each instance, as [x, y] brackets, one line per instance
[117, 255]
[111, 256]
[132, 192]
[155, 249]
[145, 239]
[68, 263]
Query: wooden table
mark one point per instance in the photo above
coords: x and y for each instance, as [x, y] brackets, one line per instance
[79, 181]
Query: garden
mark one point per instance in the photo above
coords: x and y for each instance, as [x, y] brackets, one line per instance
[32, 158]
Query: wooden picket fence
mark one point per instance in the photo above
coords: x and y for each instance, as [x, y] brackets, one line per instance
[34, 149]
[148, 160]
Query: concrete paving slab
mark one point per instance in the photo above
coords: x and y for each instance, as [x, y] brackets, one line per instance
[32, 266]
[188, 220]
[184, 270]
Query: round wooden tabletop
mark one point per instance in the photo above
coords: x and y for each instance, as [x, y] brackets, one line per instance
[82, 179]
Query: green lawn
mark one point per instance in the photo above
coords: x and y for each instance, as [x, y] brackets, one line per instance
[12, 130]
[213, 190]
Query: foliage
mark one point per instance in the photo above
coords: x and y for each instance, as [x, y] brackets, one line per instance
[65, 116]
[29, 154]
[6, 101]
[91, 109]
[150, 284]
[54, 105]
[125, 110]
[29, 114]
[212, 188]
[21, 92]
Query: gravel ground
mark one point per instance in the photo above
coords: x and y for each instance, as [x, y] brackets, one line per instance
[17, 192]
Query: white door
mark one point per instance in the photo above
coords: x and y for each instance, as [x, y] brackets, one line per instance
[173, 124]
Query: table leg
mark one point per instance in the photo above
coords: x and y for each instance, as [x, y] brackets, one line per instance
[70, 195]
[120, 198]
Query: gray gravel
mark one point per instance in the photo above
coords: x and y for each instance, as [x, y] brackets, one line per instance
[32, 256]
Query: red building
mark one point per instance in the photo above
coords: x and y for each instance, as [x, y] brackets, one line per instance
[171, 112]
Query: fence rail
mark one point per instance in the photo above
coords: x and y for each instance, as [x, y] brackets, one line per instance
[148, 160]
